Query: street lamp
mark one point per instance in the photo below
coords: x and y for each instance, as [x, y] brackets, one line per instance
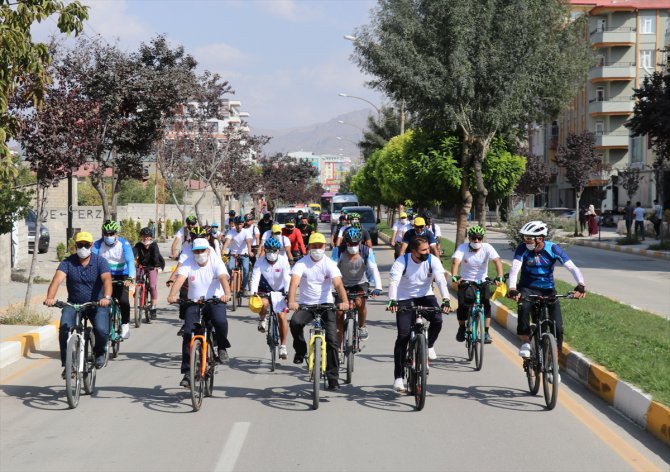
[379, 112]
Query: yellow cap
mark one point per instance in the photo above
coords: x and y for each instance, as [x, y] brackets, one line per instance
[403, 215]
[276, 228]
[317, 238]
[418, 221]
[83, 236]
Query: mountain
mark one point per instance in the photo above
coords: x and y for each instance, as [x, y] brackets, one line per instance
[320, 138]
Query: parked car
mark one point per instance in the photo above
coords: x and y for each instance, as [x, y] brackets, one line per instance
[368, 220]
[324, 217]
[43, 240]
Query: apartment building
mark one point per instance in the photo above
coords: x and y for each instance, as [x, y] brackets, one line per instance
[332, 168]
[630, 39]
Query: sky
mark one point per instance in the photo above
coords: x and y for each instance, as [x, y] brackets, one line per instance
[287, 60]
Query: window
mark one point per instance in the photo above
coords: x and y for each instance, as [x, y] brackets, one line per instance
[647, 59]
[600, 127]
[648, 23]
[600, 94]
[601, 25]
[636, 149]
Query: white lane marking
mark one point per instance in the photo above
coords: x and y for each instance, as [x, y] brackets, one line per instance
[232, 449]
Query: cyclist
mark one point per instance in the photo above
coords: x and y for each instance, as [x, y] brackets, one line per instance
[183, 235]
[419, 230]
[272, 274]
[535, 259]
[295, 236]
[214, 242]
[148, 255]
[336, 230]
[285, 243]
[305, 228]
[218, 235]
[252, 229]
[354, 221]
[473, 259]
[207, 278]
[238, 239]
[88, 279]
[398, 232]
[355, 263]
[265, 224]
[119, 255]
[428, 218]
[316, 275]
[411, 281]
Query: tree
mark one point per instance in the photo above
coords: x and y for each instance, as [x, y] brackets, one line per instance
[579, 161]
[286, 180]
[535, 177]
[629, 177]
[345, 184]
[502, 171]
[23, 63]
[14, 202]
[425, 53]
[379, 132]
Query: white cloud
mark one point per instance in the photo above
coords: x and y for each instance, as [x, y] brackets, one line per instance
[111, 20]
[222, 58]
[289, 10]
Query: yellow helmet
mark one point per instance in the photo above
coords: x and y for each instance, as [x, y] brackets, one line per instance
[255, 303]
[317, 238]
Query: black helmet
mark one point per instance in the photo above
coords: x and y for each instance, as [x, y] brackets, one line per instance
[146, 232]
[266, 216]
[427, 215]
[239, 219]
[231, 213]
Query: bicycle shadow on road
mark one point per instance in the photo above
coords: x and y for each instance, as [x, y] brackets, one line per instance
[52, 397]
[453, 364]
[159, 398]
[168, 360]
[495, 396]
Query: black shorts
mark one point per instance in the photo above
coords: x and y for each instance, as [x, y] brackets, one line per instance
[354, 288]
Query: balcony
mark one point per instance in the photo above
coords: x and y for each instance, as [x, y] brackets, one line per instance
[667, 37]
[608, 37]
[608, 71]
[611, 106]
[612, 140]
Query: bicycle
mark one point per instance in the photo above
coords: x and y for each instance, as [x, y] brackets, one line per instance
[543, 351]
[416, 357]
[115, 339]
[236, 281]
[317, 349]
[202, 349]
[142, 296]
[475, 324]
[79, 354]
[272, 331]
[352, 339]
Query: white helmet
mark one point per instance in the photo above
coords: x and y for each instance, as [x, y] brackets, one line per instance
[534, 228]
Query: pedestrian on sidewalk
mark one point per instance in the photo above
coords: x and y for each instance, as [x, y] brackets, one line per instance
[628, 217]
[582, 220]
[639, 221]
[657, 218]
[591, 219]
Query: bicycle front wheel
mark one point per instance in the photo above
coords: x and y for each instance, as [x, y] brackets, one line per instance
[533, 369]
[89, 364]
[316, 374]
[272, 345]
[197, 380]
[137, 307]
[235, 287]
[550, 378]
[349, 348]
[421, 372]
[479, 341]
[147, 306]
[72, 370]
[469, 341]
[210, 370]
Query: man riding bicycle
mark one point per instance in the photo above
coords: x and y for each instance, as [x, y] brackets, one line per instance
[183, 235]
[88, 279]
[284, 242]
[411, 282]
[535, 259]
[295, 236]
[272, 273]
[398, 233]
[316, 275]
[238, 239]
[473, 259]
[148, 255]
[207, 277]
[119, 255]
[355, 264]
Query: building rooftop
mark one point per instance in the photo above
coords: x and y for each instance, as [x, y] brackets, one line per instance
[625, 4]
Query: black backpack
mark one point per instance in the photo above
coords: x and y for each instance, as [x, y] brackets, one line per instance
[430, 265]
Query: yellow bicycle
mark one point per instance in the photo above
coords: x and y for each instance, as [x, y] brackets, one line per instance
[317, 349]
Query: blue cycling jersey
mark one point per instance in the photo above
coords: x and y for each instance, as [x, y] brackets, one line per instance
[537, 269]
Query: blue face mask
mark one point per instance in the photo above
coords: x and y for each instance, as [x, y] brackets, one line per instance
[110, 240]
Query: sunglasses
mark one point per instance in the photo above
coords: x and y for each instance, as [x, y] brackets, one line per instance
[353, 244]
[272, 251]
[82, 245]
[476, 238]
[278, 233]
[419, 227]
[109, 234]
[529, 238]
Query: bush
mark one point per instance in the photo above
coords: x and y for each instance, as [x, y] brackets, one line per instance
[129, 231]
[61, 251]
[71, 246]
[20, 315]
[627, 241]
[168, 228]
[515, 222]
[176, 226]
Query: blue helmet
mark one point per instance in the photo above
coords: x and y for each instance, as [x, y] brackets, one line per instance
[272, 243]
[353, 235]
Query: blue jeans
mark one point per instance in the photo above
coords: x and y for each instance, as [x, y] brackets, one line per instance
[404, 321]
[100, 321]
[245, 269]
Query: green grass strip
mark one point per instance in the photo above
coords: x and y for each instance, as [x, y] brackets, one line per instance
[632, 343]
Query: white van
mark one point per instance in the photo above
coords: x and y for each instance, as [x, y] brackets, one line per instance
[339, 201]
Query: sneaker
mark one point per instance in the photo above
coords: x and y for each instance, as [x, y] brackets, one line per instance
[432, 355]
[100, 361]
[125, 331]
[185, 381]
[524, 351]
[262, 325]
[550, 378]
[152, 313]
[487, 338]
[399, 385]
[181, 331]
[298, 358]
[283, 353]
[333, 385]
[223, 356]
[460, 334]
[62, 374]
[363, 333]
[245, 293]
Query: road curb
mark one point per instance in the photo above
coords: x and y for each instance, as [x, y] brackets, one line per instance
[40, 338]
[626, 398]
[626, 249]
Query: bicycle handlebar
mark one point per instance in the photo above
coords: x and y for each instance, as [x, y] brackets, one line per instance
[76, 306]
[200, 301]
[318, 307]
[547, 298]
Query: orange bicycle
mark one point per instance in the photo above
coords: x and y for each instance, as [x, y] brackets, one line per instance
[236, 281]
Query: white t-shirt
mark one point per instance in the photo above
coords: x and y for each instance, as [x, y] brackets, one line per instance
[398, 227]
[417, 281]
[180, 234]
[437, 231]
[316, 279]
[404, 229]
[474, 264]
[238, 241]
[278, 275]
[253, 232]
[639, 213]
[203, 281]
[285, 242]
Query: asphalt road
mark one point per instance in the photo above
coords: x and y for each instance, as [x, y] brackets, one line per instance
[140, 419]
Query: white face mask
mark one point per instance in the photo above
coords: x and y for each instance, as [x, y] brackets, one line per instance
[352, 249]
[83, 252]
[271, 256]
[317, 254]
[475, 246]
[110, 240]
[147, 242]
[403, 221]
[530, 246]
[201, 258]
